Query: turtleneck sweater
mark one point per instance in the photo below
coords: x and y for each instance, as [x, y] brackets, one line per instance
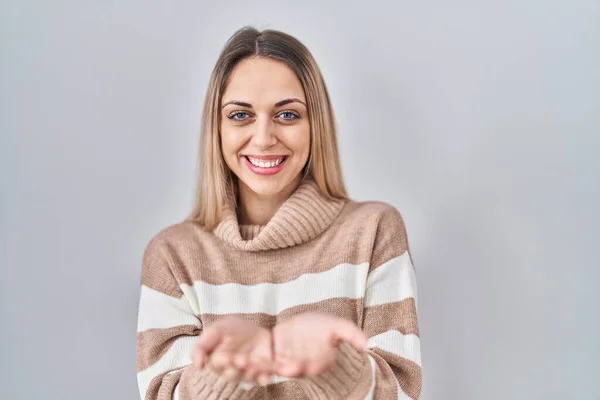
[339, 257]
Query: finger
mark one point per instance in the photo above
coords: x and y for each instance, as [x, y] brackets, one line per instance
[264, 379]
[291, 361]
[241, 360]
[285, 358]
[250, 374]
[220, 360]
[348, 332]
[209, 339]
[291, 369]
[261, 358]
[198, 358]
[282, 355]
[222, 355]
[231, 373]
[281, 360]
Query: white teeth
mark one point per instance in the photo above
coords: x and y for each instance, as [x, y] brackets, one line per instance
[265, 164]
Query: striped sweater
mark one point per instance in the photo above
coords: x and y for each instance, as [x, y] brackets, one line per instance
[344, 258]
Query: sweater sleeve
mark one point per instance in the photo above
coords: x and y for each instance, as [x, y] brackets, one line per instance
[167, 329]
[391, 366]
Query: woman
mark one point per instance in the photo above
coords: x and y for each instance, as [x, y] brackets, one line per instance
[278, 286]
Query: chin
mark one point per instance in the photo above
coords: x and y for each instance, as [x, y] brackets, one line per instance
[265, 186]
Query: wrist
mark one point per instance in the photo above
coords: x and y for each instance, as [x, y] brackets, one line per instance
[349, 373]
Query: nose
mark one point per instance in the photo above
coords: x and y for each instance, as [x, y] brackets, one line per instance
[264, 135]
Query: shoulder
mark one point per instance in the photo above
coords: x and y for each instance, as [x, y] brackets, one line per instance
[174, 236]
[166, 253]
[377, 214]
[382, 223]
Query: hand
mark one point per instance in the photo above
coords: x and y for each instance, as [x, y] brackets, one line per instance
[236, 349]
[306, 345]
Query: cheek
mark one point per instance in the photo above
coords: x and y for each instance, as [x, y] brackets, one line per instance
[299, 140]
[229, 142]
[230, 148]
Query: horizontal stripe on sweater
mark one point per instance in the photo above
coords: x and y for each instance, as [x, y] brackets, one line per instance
[341, 281]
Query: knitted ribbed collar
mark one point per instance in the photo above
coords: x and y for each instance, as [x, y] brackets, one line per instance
[301, 218]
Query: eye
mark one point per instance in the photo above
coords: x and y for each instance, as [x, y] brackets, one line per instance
[288, 115]
[238, 116]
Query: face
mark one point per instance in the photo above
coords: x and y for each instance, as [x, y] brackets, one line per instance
[265, 131]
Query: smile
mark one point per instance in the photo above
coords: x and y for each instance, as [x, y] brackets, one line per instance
[265, 165]
[262, 163]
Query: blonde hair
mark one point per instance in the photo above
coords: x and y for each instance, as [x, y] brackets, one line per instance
[216, 183]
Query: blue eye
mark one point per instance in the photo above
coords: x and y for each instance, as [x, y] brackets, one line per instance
[288, 115]
[239, 116]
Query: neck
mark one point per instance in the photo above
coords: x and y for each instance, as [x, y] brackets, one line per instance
[257, 209]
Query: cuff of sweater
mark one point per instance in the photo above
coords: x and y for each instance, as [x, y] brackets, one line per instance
[349, 377]
[198, 384]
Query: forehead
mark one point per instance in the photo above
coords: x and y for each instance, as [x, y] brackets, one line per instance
[262, 81]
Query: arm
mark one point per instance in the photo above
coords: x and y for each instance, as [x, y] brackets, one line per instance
[391, 366]
[168, 327]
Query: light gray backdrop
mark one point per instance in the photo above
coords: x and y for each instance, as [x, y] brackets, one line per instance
[479, 120]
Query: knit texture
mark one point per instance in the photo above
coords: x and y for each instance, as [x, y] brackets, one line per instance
[304, 216]
[342, 258]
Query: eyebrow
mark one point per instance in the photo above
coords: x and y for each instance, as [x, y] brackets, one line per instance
[278, 104]
[288, 101]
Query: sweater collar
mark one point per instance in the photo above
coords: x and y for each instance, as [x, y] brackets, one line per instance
[303, 216]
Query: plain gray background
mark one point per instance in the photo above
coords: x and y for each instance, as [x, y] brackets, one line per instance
[480, 121]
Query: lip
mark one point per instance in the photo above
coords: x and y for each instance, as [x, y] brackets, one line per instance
[265, 171]
[265, 157]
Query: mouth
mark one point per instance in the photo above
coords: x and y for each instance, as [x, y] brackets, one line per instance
[265, 162]
[263, 165]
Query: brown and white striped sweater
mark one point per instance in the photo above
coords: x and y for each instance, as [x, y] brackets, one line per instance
[343, 258]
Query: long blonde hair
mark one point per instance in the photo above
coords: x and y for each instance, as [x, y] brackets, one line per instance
[216, 183]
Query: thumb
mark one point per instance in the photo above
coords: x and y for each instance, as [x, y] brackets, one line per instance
[348, 332]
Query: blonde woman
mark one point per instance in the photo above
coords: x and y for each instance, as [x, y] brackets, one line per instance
[278, 286]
